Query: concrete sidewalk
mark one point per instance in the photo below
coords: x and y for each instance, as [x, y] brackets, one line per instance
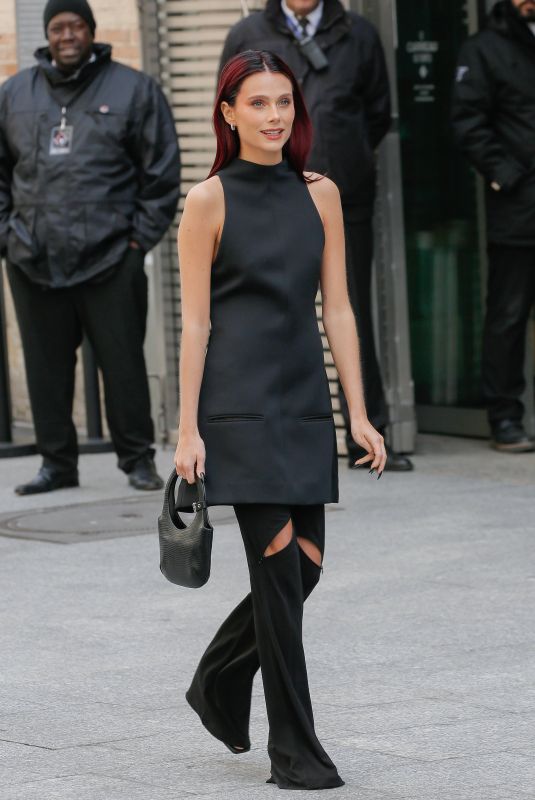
[419, 638]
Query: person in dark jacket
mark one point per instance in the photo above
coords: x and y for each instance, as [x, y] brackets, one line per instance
[338, 59]
[89, 182]
[494, 123]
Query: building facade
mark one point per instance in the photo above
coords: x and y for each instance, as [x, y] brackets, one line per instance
[430, 268]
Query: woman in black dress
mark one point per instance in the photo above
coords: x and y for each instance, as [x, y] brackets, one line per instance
[255, 241]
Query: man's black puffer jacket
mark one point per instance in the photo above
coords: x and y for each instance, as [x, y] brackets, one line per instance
[64, 219]
[493, 117]
[349, 102]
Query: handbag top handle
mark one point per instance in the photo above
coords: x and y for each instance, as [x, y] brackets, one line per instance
[199, 506]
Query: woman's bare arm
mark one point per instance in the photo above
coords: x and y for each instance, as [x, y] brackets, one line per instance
[339, 322]
[198, 234]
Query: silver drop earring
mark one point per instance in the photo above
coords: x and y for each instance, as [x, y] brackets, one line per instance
[232, 127]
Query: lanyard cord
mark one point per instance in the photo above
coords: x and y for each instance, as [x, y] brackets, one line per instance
[64, 106]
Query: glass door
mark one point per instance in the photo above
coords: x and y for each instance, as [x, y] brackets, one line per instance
[444, 220]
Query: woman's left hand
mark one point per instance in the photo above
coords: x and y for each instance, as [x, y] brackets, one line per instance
[370, 440]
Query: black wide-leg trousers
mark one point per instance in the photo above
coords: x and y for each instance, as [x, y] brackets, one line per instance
[265, 630]
[510, 298]
[112, 313]
[359, 262]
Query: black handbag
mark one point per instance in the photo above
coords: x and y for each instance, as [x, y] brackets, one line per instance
[185, 550]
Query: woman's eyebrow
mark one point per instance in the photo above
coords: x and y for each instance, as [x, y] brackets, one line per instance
[266, 97]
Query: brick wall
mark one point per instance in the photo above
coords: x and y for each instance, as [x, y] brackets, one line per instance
[8, 67]
[8, 42]
[125, 39]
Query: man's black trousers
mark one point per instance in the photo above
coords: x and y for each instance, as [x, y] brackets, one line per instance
[510, 297]
[359, 260]
[112, 313]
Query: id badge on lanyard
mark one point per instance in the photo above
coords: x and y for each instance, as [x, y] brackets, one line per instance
[61, 137]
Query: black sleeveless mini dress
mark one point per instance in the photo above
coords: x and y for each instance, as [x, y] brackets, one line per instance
[265, 411]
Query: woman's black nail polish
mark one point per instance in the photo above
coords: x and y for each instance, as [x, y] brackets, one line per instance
[371, 472]
[380, 475]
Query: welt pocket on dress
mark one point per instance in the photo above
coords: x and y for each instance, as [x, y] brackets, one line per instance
[316, 417]
[235, 418]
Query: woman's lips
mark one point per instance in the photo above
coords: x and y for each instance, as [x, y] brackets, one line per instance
[273, 133]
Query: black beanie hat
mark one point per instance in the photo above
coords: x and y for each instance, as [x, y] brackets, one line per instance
[80, 7]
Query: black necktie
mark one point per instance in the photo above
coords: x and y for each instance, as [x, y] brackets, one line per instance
[303, 21]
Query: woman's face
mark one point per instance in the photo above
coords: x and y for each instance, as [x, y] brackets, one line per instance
[263, 114]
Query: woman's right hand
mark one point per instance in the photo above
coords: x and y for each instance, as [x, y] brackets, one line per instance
[190, 456]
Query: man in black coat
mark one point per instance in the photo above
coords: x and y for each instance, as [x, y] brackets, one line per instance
[338, 59]
[494, 124]
[89, 182]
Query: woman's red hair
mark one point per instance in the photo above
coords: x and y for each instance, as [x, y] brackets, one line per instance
[233, 74]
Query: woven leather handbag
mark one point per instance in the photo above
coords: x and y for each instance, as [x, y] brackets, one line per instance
[185, 550]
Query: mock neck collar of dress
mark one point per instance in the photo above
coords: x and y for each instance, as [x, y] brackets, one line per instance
[255, 169]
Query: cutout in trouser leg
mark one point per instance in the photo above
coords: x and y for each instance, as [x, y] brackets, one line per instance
[311, 550]
[309, 524]
[280, 541]
[310, 573]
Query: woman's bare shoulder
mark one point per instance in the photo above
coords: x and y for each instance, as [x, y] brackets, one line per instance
[324, 192]
[321, 186]
[206, 196]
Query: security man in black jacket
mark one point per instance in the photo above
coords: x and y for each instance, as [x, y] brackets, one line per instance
[494, 124]
[338, 59]
[89, 182]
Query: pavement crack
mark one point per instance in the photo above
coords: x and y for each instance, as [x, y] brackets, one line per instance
[106, 741]
[28, 744]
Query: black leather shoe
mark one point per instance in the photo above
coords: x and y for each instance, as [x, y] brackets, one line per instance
[509, 436]
[395, 462]
[144, 476]
[47, 480]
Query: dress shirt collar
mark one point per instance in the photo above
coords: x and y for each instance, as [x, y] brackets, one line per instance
[314, 19]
